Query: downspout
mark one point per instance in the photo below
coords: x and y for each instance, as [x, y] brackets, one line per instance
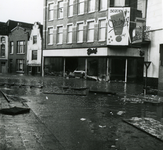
[146, 9]
[44, 35]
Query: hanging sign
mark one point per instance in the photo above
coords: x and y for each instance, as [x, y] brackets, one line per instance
[118, 26]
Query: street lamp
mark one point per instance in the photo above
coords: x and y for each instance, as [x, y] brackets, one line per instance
[147, 64]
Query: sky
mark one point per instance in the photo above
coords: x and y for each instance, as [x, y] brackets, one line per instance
[29, 11]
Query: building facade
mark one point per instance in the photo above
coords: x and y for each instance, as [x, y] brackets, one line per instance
[3, 48]
[34, 50]
[94, 36]
[17, 54]
[154, 51]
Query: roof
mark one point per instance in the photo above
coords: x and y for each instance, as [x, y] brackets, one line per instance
[3, 28]
[12, 24]
[41, 28]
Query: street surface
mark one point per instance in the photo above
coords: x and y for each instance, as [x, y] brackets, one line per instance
[69, 121]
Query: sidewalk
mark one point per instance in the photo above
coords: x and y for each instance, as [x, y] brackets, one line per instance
[25, 132]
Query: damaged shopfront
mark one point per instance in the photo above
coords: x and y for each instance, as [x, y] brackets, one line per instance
[120, 64]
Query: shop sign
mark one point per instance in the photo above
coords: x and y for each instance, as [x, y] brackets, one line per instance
[118, 26]
[91, 51]
[140, 34]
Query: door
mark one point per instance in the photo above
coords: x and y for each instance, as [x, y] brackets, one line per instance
[3, 66]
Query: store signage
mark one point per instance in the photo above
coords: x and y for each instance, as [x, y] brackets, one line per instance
[91, 51]
[118, 26]
[140, 34]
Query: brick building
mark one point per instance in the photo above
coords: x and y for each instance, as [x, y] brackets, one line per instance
[92, 36]
[18, 42]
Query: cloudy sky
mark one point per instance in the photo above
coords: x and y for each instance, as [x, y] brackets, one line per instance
[21, 10]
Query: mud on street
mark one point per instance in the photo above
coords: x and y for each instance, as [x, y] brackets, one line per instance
[74, 119]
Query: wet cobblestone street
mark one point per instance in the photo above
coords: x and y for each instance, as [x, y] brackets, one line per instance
[73, 122]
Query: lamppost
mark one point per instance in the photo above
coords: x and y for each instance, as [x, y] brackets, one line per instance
[147, 64]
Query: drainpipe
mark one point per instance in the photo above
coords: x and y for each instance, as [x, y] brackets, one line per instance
[146, 8]
[64, 66]
[86, 63]
[44, 36]
[107, 70]
[126, 70]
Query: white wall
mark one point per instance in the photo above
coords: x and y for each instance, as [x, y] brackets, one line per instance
[37, 46]
[155, 21]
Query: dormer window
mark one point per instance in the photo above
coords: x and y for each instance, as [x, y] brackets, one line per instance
[35, 39]
[3, 39]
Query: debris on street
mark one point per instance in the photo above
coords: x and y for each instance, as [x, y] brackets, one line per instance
[148, 125]
[82, 119]
[15, 105]
[14, 110]
[62, 93]
[102, 92]
[102, 126]
[121, 112]
[142, 99]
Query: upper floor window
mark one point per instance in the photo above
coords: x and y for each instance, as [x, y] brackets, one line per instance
[102, 5]
[11, 47]
[70, 8]
[50, 35]
[51, 11]
[102, 30]
[60, 35]
[119, 2]
[21, 47]
[80, 7]
[35, 39]
[3, 39]
[34, 54]
[60, 9]
[91, 5]
[2, 50]
[80, 31]
[69, 34]
[90, 35]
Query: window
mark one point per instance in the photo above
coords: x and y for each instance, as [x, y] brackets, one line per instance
[20, 65]
[91, 5]
[50, 35]
[34, 55]
[60, 9]
[60, 35]
[80, 7]
[51, 11]
[119, 2]
[3, 39]
[2, 50]
[102, 30]
[35, 39]
[103, 4]
[21, 47]
[70, 8]
[69, 34]
[90, 36]
[11, 47]
[80, 32]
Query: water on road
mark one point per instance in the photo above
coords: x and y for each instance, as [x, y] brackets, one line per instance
[91, 122]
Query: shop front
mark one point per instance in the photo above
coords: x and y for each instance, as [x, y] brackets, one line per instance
[121, 64]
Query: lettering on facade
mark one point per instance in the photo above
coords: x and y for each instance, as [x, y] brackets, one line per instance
[91, 51]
